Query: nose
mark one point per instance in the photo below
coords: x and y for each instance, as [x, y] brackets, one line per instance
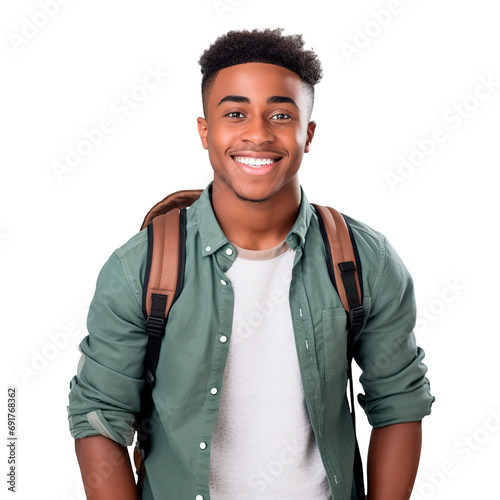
[257, 131]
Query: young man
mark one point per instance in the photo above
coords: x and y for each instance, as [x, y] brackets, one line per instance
[250, 399]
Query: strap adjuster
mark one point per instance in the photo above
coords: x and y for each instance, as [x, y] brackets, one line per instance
[155, 326]
[356, 317]
[149, 378]
[347, 267]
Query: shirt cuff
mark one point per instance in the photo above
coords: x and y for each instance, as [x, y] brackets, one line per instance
[95, 423]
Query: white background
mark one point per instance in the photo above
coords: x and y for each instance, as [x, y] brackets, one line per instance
[64, 73]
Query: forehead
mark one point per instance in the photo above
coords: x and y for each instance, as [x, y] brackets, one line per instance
[257, 81]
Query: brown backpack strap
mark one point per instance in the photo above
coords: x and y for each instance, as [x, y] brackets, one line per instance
[345, 276]
[163, 281]
[179, 199]
[341, 248]
[164, 277]
[164, 258]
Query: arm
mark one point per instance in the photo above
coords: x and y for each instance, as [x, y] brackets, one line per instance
[397, 393]
[393, 458]
[106, 470]
[105, 393]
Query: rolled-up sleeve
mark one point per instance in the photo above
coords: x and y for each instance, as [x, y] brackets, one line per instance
[105, 393]
[395, 387]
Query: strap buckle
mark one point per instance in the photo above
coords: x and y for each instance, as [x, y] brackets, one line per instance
[356, 317]
[149, 378]
[155, 326]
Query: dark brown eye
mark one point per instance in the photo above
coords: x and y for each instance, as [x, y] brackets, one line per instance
[282, 116]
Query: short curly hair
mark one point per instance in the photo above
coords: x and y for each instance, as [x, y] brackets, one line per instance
[265, 46]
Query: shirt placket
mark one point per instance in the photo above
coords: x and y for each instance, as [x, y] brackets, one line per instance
[223, 259]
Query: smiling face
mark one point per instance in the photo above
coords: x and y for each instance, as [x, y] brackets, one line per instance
[256, 129]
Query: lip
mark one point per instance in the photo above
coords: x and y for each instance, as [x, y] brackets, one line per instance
[263, 169]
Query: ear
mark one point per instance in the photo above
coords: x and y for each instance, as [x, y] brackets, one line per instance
[311, 127]
[203, 131]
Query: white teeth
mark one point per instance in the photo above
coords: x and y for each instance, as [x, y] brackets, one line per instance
[254, 162]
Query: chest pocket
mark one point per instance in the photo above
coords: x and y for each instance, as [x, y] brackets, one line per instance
[334, 330]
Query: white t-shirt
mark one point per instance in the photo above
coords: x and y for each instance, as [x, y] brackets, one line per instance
[263, 446]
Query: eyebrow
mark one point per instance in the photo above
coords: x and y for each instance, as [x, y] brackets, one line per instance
[274, 99]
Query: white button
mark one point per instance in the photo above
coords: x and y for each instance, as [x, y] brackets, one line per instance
[213, 390]
[223, 282]
[223, 338]
[208, 249]
[203, 445]
[199, 497]
[229, 251]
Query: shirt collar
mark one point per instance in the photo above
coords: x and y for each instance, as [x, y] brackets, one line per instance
[213, 238]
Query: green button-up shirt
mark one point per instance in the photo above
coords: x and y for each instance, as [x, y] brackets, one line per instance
[105, 393]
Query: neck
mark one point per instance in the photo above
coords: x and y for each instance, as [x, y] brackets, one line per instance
[256, 225]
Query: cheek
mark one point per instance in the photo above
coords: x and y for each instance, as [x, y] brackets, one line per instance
[219, 140]
[297, 141]
[218, 143]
